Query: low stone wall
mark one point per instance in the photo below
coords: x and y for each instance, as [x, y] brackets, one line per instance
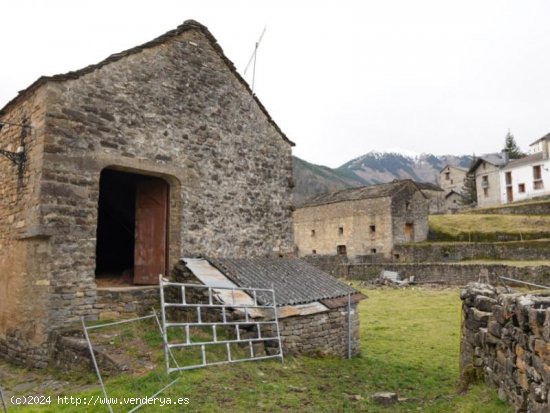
[331, 264]
[506, 339]
[437, 252]
[449, 274]
[126, 302]
[538, 208]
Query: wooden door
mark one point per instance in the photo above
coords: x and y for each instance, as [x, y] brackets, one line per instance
[409, 232]
[151, 236]
[509, 194]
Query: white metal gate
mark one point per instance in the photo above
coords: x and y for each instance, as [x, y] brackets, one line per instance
[225, 302]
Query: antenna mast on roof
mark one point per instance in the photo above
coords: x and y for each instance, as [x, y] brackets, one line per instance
[253, 59]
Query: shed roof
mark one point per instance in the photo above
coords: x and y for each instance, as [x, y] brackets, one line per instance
[187, 25]
[363, 192]
[294, 280]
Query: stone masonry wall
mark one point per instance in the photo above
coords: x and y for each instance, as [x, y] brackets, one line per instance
[450, 274]
[437, 252]
[24, 271]
[409, 206]
[321, 334]
[126, 302]
[354, 217]
[175, 111]
[506, 338]
[534, 208]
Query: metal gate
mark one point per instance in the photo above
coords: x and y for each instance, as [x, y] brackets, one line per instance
[225, 302]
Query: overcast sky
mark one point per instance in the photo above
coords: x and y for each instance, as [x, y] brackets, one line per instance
[341, 78]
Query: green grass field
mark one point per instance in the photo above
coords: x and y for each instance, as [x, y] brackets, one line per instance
[479, 228]
[410, 344]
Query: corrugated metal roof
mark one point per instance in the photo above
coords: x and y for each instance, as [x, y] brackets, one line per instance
[294, 280]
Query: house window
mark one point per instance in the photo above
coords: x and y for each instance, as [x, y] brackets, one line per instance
[373, 250]
[447, 176]
[521, 188]
[396, 256]
[340, 230]
[312, 232]
[341, 250]
[508, 176]
[452, 182]
[408, 206]
[314, 252]
[485, 181]
[372, 228]
[484, 165]
[486, 192]
[537, 177]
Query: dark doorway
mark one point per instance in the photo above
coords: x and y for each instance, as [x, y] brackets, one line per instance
[409, 232]
[131, 231]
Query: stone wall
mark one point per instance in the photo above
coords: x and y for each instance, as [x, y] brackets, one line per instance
[322, 333]
[174, 110]
[409, 208]
[506, 338]
[437, 252]
[365, 225]
[24, 271]
[450, 274]
[535, 208]
[126, 302]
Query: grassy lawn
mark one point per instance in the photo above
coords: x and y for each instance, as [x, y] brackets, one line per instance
[470, 227]
[410, 342]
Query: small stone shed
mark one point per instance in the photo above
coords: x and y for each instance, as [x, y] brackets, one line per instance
[362, 221]
[119, 169]
[312, 305]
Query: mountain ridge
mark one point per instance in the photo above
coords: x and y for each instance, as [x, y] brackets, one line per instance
[371, 168]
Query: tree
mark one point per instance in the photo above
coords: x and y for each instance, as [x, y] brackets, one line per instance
[510, 145]
[469, 191]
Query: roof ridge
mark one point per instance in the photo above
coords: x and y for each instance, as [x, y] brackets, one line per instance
[185, 26]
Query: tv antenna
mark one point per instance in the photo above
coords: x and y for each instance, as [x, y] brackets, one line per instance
[253, 59]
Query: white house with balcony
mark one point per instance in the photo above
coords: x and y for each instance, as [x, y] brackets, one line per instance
[528, 177]
[500, 180]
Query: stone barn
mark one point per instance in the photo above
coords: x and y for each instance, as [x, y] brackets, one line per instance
[363, 221]
[111, 173]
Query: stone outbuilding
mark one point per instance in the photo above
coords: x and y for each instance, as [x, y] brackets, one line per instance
[113, 172]
[362, 221]
[317, 313]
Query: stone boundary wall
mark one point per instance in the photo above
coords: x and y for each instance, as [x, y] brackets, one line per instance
[537, 208]
[506, 339]
[436, 252]
[331, 264]
[450, 274]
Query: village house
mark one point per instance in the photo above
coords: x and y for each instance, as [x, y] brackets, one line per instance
[112, 173]
[362, 221]
[435, 196]
[500, 180]
[486, 170]
[527, 177]
[452, 178]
